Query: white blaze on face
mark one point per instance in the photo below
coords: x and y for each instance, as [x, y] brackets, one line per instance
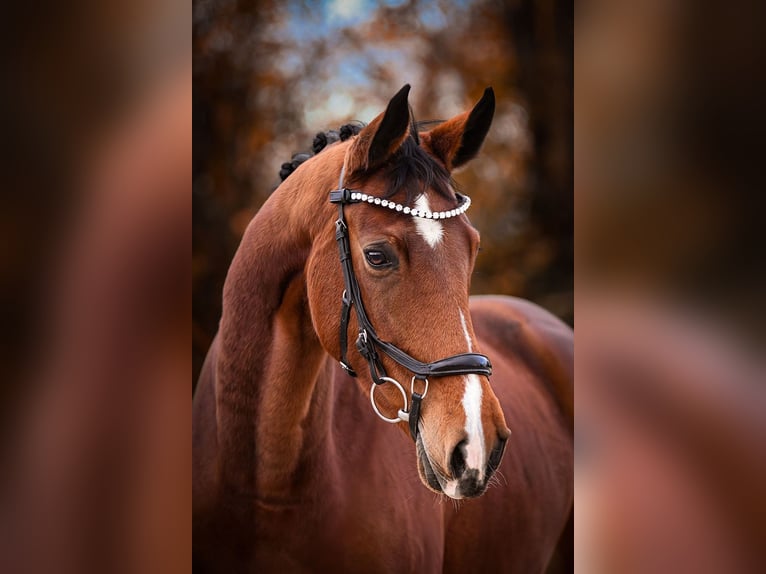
[472, 405]
[429, 229]
[465, 332]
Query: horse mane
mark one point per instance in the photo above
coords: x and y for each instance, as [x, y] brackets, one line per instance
[321, 141]
[410, 168]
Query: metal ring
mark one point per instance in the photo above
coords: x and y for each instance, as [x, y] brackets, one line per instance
[412, 386]
[375, 407]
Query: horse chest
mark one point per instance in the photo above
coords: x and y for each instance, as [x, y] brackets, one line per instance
[350, 529]
[359, 505]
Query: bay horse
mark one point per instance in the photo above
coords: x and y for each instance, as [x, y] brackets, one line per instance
[350, 287]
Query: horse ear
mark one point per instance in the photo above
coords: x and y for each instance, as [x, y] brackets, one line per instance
[383, 135]
[458, 140]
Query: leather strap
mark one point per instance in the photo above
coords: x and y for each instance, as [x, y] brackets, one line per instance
[417, 398]
[341, 236]
[345, 315]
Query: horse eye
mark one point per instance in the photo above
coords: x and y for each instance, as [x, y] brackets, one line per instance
[377, 258]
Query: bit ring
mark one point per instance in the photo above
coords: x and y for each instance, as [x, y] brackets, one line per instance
[404, 396]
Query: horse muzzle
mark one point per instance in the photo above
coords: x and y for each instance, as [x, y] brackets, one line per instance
[460, 481]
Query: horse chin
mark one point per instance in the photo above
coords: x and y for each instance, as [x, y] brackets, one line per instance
[427, 473]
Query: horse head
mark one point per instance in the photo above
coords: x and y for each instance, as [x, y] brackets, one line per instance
[411, 252]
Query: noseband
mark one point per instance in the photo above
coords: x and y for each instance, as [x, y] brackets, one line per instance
[368, 343]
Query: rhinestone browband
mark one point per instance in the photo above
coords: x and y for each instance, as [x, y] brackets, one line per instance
[357, 196]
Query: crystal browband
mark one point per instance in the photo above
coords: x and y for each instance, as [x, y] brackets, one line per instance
[363, 197]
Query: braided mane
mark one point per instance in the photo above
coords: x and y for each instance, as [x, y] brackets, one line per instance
[321, 141]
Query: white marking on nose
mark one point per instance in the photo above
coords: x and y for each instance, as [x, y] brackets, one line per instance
[474, 455]
[450, 489]
[474, 449]
[465, 331]
[429, 229]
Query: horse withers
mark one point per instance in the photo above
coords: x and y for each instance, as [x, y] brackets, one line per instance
[347, 297]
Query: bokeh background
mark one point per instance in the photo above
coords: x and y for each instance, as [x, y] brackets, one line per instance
[269, 75]
[95, 226]
[670, 280]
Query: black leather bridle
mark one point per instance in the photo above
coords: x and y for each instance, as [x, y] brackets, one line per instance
[370, 345]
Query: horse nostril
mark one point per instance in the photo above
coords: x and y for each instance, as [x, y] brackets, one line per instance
[457, 460]
[496, 455]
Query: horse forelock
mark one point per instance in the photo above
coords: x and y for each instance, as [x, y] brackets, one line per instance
[413, 170]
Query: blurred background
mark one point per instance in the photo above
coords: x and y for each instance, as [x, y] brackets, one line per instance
[670, 287]
[269, 75]
[95, 223]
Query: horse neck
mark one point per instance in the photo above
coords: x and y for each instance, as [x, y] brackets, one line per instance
[269, 358]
